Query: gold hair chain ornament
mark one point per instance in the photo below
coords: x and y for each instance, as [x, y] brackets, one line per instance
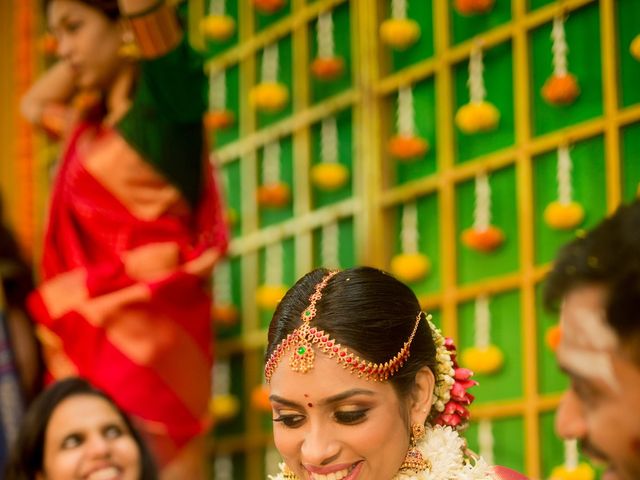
[305, 337]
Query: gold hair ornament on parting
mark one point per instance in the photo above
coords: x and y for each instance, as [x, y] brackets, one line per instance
[303, 338]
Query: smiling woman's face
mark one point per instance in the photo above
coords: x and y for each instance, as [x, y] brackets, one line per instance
[328, 421]
[87, 439]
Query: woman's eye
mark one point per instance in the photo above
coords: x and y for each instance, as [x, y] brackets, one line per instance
[71, 441]
[291, 421]
[350, 417]
[113, 431]
[72, 27]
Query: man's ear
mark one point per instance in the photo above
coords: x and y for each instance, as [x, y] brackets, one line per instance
[422, 396]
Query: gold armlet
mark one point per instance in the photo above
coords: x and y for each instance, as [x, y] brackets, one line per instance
[156, 29]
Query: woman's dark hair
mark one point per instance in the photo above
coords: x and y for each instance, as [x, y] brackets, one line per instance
[108, 7]
[366, 310]
[27, 455]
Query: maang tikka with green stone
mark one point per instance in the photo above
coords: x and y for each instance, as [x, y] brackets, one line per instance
[302, 340]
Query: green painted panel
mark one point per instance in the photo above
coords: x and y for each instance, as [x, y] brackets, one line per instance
[428, 242]
[630, 161]
[235, 425]
[422, 13]
[584, 62]
[498, 79]
[230, 176]
[321, 90]
[424, 104]
[264, 20]
[506, 334]
[288, 274]
[533, 4]
[273, 215]
[233, 331]
[508, 437]
[212, 47]
[550, 378]
[344, 126]
[588, 189]
[628, 26]
[472, 265]
[285, 76]
[232, 133]
[466, 27]
[346, 246]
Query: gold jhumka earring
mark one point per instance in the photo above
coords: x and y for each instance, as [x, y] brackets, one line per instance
[414, 461]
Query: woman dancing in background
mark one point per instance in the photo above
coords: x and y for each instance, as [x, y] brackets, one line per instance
[363, 386]
[136, 223]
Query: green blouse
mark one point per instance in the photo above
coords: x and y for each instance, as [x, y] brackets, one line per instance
[164, 123]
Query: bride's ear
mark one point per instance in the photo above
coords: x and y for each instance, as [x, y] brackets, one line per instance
[422, 396]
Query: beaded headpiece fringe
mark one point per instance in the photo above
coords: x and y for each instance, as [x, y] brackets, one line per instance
[301, 342]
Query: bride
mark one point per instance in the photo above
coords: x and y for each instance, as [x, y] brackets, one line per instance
[363, 385]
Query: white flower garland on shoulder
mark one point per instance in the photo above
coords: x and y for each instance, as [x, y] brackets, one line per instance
[444, 448]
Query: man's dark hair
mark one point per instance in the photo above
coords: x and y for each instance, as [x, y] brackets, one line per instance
[607, 255]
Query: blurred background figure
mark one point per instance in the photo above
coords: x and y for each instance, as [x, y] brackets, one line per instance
[19, 355]
[72, 430]
[135, 224]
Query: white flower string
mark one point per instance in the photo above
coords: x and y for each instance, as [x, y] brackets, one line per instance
[571, 454]
[324, 35]
[482, 322]
[271, 163]
[482, 211]
[216, 7]
[221, 382]
[330, 242]
[486, 440]
[559, 47]
[269, 67]
[329, 140]
[273, 264]
[399, 9]
[222, 282]
[405, 122]
[217, 90]
[564, 168]
[409, 230]
[477, 91]
[223, 467]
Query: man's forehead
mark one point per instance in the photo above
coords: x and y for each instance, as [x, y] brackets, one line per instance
[583, 319]
[587, 341]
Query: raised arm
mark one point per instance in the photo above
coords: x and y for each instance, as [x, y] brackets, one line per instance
[154, 24]
[44, 103]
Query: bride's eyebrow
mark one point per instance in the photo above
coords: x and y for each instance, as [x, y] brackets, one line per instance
[330, 400]
[285, 402]
[348, 394]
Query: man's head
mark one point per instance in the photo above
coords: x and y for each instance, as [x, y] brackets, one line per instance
[596, 284]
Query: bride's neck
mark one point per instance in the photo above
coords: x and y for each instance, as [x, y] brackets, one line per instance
[118, 96]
